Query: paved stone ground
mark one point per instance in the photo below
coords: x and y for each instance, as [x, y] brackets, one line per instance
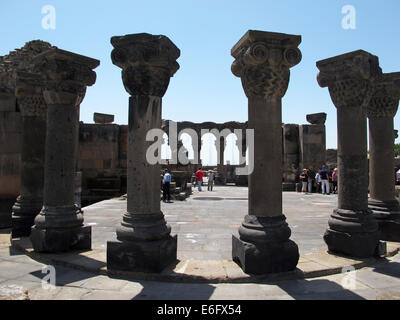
[381, 281]
[204, 230]
[206, 221]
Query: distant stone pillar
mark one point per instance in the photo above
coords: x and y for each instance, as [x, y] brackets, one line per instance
[350, 79]
[242, 180]
[33, 109]
[313, 142]
[199, 145]
[263, 61]
[144, 240]
[59, 226]
[242, 146]
[220, 145]
[381, 111]
[291, 159]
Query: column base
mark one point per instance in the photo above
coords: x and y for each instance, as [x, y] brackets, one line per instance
[60, 240]
[6, 213]
[383, 206]
[24, 212]
[352, 233]
[264, 246]
[266, 258]
[387, 214]
[141, 256]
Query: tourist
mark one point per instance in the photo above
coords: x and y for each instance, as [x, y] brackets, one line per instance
[166, 186]
[199, 178]
[398, 176]
[330, 173]
[210, 183]
[317, 182]
[334, 180]
[310, 174]
[324, 175]
[304, 181]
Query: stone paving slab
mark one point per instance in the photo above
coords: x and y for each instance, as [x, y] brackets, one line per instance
[315, 264]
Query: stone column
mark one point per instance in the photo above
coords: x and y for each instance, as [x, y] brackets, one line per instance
[242, 180]
[291, 159]
[381, 111]
[220, 144]
[10, 140]
[144, 241]
[263, 61]
[350, 79]
[199, 145]
[59, 226]
[33, 110]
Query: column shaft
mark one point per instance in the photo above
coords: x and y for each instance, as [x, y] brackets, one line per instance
[144, 179]
[352, 159]
[265, 191]
[381, 159]
[62, 130]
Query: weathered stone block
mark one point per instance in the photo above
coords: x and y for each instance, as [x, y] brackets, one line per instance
[272, 257]
[312, 146]
[361, 245]
[141, 256]
[317, 118]
[59, 240]
[103, 118]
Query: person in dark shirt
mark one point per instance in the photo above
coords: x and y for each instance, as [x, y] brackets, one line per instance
[324, 175]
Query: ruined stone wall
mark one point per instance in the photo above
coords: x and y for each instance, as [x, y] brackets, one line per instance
[102, 161]
[102, 155]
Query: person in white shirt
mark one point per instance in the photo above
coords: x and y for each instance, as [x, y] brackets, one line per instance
[317, 181]
[166, 186]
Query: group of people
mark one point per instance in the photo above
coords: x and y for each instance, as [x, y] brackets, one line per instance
[199, 179]
[167, 178]
[323, 180]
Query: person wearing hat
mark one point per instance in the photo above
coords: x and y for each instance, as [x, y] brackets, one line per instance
[210, 183]
[304, 181]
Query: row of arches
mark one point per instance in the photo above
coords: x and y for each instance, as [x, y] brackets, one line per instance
[208, 149]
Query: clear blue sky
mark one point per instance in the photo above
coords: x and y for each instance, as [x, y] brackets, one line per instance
[204, 89]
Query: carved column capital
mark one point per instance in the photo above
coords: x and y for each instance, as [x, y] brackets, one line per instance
[263, 61]
[66, 75]
[386, 96]
[29, 93]
[147, 62]
[350, 77]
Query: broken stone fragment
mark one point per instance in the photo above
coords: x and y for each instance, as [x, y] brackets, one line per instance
[103, 118]
[317, 118]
